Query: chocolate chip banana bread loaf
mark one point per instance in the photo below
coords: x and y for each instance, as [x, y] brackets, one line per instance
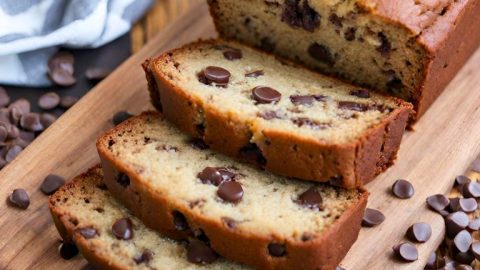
[408, 48]
[251, 105]
[109, 237]
[178, 187]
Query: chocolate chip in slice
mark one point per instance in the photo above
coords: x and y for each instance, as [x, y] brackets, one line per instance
[123, 180]
[51, 184]
[210, 175]
[463, 240]
[265, 95]
[13, 152]
[361, 93]
[456, 222]
[31, 122]
[461, 180]
[19, 198]
[277, 250]
[122, 229]
[322, 54]
[406, 252]
[475, 248]
[302, 100]
[68, 251]
[438, 202]
[431, 262]
[68, 101]
[385, 47]
[420, 232]
[49, 101]
[304, 121]
[47, 119]
[4, 97]
[474, 225]
[471, 190]
[217, 75]
[179, 221]
[96, 74]
[403, 189]
[88, 232]
[120, 116]
[230, 191]
[269, 115]
[467, 205]
[372, 217]
[144, 257]
[352, 106]
[252, 153]
[199, 253]
[267, 44]
[311, 198]
[255, 74]
[230, 222]
[232, 54]
[198, 144]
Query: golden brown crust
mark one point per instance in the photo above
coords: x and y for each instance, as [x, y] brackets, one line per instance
[350, 165]
[323, 252]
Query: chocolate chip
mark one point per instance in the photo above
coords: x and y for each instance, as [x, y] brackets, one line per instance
[474, 225]
[385, 47]
[179, 221]
[431, 262]
[3, 133]
[311, 198]
[230, 222]
[476, 249]
[123, 180]
[31, 122]
[350, 33]
[394, 84]
[51, 184]
[121, 116]
[60, 69]
[269, 115]
[251, 152]
[265, 95]
[62, 78]
[200, 253]
[217, 75]
[361, 93]
[372, 217]
[232, 54]
[68, 251]
[462, 204]
[438, 202]
[13, 152]
[276, 250]
[456, 222]
[302, 100]
[210, 175]
[304, 121]
[352, 106]
[406, 252]
[336, 20]
[13, 132]
[461, 180]
[321, 54]
[462, 241]
[254, 74]
[300, 16]
[47, 119]
[49, 101]
[198, 144]
[122, 229]
[68, 101]
[230, 191]
[97, 73]
[463, 267]
[226, 174]
[267, 44]
[19, 198]
[464, 258]
[471, 190]
[22, 106]
[88, 232]
[145, 257]
[403, 189]
[419, 232]
[4, 97]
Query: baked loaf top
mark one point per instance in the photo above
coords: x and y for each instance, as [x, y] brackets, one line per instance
[84, 211]
[265, 93]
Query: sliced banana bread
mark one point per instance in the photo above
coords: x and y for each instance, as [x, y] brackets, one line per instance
[85, 213]
[409, 48]
[178, 187]
[248, 104]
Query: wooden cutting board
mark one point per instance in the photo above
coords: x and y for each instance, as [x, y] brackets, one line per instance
[446, 140]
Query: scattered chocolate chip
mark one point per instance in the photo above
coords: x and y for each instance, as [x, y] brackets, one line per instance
[474, 225]
[88, 232]
[198, 144]
[431, 262]
[419, 232]
[403, 189]
[68, 101]
[179, 221]
[49, 101]
[471, 190]
[302, 100]
[438, 202]
[3, 133]
[51, 184]
[13, 152]
[121, 116]
[304, 121]
[122, 229]
[352, 106]
[254, 74]
[217, 75]
[265, 95]
[476, 249]
[385, 47]
[321, 54]
[4, 97]
[311, 198]
[406, 252]
[97, 73]
[372, 217]
[145, 257]
[47, 119]
[456, 222]
[463, 240]
[199, 253]
[60, 69]
[251, 152]
[230, 191]
[462, 204]
[361, 93]
[31, 122]
[210, 175]
[19, 198]
[276, 250]
[22, 106]
[461, 180]
[123, 180]
[68, 251]
[232, 54]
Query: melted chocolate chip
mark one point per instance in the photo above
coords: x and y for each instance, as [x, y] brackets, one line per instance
[361, 93]
[232, 54]
[403, 189]
[303, 121]
[419, 232]
[265, 95]
[145, 257]
[352, 106]
[88, 233]
[300, 16]
[179, 221]
[123, 180]
[321, 53]
[217, 75]
[230, 191]
[372, 217]
[254, 74]
[311, 198]
[406, 252]
[200, 253]
[438, 202]
[385, 47]
[122, 229]
[51, 184]
[277, 250]
[19, 198]
[210, 175]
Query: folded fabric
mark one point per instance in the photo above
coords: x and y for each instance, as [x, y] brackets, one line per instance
[32, 30]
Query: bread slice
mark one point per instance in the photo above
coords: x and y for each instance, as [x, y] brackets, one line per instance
[176, 186]
[291, 121]
[85, 204]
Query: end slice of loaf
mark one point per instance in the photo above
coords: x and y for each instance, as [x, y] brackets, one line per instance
[84, 203]
[156, 171]
[315, 128]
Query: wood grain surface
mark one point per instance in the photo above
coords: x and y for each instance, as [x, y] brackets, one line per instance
[446, 140]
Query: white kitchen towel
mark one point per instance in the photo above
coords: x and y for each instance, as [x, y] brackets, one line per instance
[32, 30]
